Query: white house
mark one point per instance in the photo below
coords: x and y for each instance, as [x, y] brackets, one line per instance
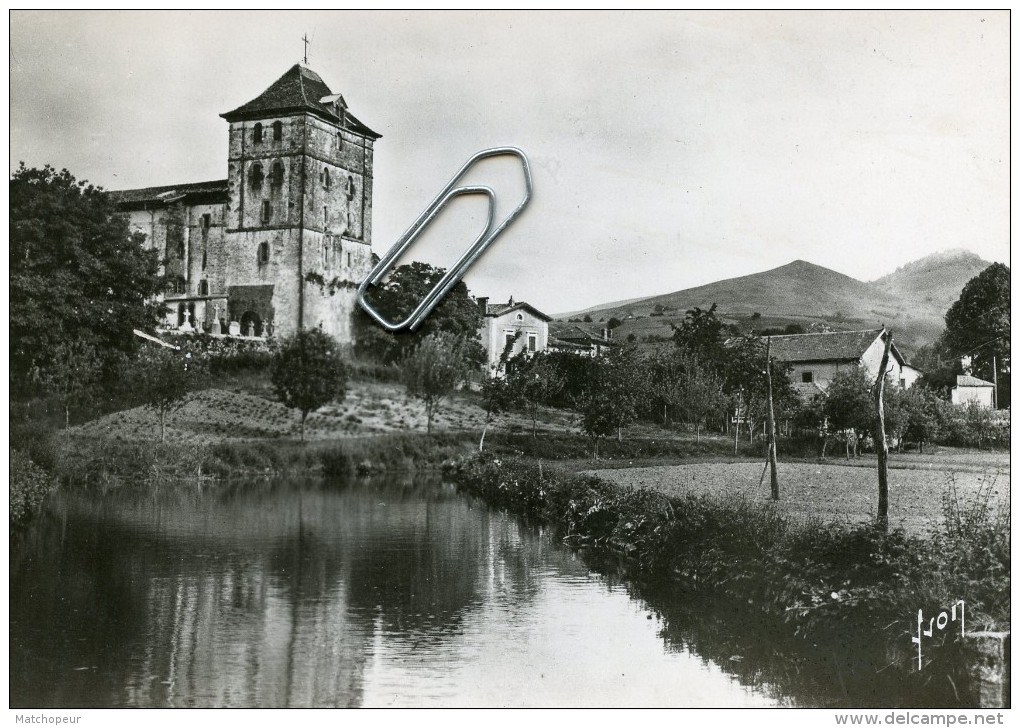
[504, 321]
[815, 358]
[971, 389]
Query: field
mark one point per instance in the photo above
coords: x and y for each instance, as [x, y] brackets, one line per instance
[838, 492]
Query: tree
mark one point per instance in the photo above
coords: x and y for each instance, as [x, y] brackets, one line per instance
[848, 404]
[613, 323]
[613, 395]
[163, 378]
[433, 369]
[978, 325]
[923, 418]
[399, 294]
[72, 373]
[308, 372]
[498, 395]
[701, 335]
[535, 381]
[77, 272]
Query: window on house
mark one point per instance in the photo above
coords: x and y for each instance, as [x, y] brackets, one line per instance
[277, 177]
[277, 131]
[267, 211]
[807, 377]
[520, 317]
[263, 254]
[257, 134]
[508, 338]
[206, 223]
[350, 188]
[532, 342]
[203, 288]
[256, 176]
[325, 178]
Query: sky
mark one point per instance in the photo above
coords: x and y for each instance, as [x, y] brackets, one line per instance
[668, 149]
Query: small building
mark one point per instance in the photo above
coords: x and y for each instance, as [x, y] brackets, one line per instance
[577, 340]
[514, 321]
[815, 358]
[971, 389]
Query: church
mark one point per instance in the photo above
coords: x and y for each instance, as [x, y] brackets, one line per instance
[284, 241]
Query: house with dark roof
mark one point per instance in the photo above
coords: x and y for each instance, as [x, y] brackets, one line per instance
[971, 389]
[578, 340]
[284, 240]
[815, 358]
[514, 323]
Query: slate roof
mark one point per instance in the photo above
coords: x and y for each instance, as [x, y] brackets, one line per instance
[194, 192]
[964, 380]
[829, 346]
[561, 344]
[576, 333]
[299, 89]
[498, 309]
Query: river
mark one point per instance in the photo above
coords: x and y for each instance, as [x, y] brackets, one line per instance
[389, 592]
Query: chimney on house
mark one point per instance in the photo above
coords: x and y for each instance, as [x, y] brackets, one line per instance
[511, 301]
[483, 303]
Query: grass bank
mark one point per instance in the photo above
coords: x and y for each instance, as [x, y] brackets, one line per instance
[819, 585]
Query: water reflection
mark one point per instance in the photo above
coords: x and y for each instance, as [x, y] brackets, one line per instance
[324, 594]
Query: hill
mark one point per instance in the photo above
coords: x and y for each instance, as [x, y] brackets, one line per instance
[936, 279]
[911, 301]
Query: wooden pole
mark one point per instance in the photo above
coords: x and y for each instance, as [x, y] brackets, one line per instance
[881, 446]
[771, 421]
[995, 380]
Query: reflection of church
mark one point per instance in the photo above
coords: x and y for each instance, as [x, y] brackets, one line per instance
[283, 242]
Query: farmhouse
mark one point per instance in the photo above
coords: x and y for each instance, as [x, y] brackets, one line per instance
[517, 322]
[284, 240]
[577, 340]
[815, 358]
[971, 389]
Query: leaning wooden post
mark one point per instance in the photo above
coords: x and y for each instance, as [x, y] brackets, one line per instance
[772, 420]
[881, 446]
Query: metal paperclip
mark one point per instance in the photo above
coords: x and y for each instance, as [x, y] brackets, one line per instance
[483, 241]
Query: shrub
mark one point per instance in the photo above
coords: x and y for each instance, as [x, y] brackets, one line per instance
[29, 486]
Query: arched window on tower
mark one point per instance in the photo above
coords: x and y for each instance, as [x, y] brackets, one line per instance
[263, 254]
[350, 224]
[256, 135]
[277, 131]
[277, 177]
[350, 188]
[339, 140]
[256, 176]
[203, 288]
[325, 177]
[325, 217]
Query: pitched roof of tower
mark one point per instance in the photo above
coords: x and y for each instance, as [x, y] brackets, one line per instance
[299, 89]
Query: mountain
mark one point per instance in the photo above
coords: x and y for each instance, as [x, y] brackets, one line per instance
[910, 301]
[936, 279]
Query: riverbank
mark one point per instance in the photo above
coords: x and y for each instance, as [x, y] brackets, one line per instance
[811, 583]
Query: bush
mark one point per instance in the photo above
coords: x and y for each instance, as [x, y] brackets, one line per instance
[30, 485]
